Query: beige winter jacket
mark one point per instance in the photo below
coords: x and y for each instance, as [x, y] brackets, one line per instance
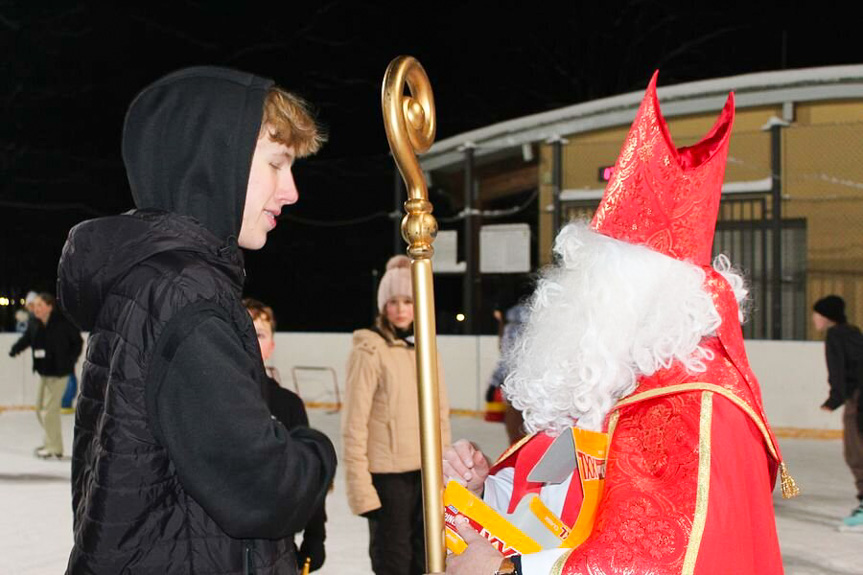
[380, 420]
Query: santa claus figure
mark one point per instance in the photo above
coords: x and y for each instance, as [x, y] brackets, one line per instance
[636, 333]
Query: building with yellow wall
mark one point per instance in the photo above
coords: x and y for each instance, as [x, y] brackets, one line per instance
[820, 169]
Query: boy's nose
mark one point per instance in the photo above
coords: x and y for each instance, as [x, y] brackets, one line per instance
[287, 192]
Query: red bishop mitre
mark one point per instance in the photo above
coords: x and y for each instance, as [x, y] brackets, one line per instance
[663, 197]
[667, 199]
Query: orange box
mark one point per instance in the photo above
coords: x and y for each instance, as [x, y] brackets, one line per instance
[532, 526]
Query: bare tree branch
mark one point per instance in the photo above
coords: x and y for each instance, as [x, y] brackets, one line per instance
[177, 33]
[11, 24]
[689, 46]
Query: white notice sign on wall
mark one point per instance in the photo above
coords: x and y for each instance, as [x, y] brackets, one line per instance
[446, 252]
[504, 249]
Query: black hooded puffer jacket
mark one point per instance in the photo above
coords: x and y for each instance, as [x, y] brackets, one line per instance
[178, 467]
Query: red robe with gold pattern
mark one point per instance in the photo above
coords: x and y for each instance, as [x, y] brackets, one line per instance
[691, 468]
[691, 460]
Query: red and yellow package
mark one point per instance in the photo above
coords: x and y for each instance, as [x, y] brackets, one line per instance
[543, 493]
[488, 522]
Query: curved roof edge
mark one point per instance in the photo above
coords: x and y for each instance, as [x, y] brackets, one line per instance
[751, 90]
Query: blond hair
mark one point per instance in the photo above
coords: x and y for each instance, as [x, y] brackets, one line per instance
[262, 311]
[290, 121]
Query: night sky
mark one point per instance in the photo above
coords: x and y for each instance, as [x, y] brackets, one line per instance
[70, 69]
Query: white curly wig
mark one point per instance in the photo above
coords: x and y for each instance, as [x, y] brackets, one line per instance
[606, 314]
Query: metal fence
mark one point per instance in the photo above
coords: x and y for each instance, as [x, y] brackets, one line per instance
[820, 172]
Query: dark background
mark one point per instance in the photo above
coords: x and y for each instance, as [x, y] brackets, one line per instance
[69, 70]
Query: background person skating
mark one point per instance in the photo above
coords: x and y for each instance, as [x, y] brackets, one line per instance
[56, 345]
[844, 350]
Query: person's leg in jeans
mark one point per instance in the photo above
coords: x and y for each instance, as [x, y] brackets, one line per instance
[853, 443]
[40, 399]
[390, 526]
[71, 392]
[54, 388]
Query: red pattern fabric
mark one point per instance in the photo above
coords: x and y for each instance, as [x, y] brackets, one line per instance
[740, 534]
[663, 197]
[667, 199]
[730, 339]
[647, 511]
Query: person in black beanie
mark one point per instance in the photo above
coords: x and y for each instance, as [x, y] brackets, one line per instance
[844, 350]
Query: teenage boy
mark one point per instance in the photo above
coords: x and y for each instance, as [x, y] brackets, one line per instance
[177, 465]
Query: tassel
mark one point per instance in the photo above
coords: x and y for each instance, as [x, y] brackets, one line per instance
[307, 566]
[789, 486]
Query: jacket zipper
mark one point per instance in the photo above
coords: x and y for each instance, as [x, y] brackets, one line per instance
[248, 564]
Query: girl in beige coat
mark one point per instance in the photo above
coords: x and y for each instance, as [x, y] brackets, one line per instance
[380, 429]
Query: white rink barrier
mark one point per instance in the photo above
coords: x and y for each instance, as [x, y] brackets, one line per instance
[793, 374]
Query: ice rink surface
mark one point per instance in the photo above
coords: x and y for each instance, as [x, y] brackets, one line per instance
[36, 516]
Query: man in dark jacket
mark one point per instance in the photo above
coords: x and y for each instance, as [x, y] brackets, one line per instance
[178, 466]
[56, 346]
[844, 351]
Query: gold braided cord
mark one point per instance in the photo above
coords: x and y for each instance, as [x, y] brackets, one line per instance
[787, 483]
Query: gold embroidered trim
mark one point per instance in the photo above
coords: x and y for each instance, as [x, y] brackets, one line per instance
[706, 387]
[509, 451]
[612, 424]
[703, 492]
[557, 568]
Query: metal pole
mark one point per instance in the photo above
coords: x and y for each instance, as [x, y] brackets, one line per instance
[375, 309]
[765, 273]
[557, 182]
[471, 245]
[776, 220]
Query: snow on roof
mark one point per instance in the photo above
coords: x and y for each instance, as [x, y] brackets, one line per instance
[758, 89]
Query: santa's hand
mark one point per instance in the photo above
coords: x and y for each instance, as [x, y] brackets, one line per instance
[480, 558]
[464, 463]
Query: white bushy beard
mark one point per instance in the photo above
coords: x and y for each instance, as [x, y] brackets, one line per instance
[608, 313]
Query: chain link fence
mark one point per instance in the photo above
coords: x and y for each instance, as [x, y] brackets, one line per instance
[821, 175]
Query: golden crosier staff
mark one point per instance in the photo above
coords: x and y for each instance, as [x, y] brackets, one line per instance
[410, 125]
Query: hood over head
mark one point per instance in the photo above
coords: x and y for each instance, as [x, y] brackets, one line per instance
[188, 143]
[100, 252]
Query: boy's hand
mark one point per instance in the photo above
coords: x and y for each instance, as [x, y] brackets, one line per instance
[464, 463]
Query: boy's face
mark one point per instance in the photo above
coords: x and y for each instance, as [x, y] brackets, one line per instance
[271, 186]
[265, 337]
